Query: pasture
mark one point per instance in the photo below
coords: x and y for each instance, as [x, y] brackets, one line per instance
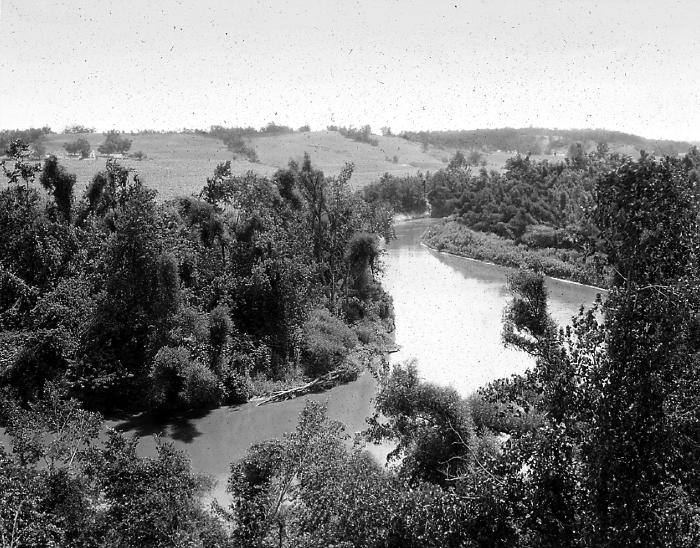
[178, 164]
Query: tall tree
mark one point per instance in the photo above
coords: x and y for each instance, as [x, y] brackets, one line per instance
[646, 435]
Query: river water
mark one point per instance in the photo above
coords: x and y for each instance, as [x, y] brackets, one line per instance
[449, 311]
[448, 317]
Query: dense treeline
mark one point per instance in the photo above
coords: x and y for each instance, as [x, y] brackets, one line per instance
[538, 140]
[595, 445]
[405, 195]
[131, 303]
[538, 213]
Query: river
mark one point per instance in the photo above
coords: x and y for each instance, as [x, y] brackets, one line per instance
[448, 316]
[449, 311]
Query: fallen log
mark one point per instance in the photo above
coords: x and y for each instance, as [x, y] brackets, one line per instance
[317, 383]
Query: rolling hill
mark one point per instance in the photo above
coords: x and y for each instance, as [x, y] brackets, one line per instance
[178, 164]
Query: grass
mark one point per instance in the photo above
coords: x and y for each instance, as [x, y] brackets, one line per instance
[175, 164]
[178, 164]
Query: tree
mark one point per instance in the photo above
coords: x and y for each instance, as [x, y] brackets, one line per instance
[22, 171]
[474, 158]
[45, 496]
[33, 246]
[576, 154]
[646, 435]
[458, 161]
[114, 143]
[310, 490]
[77, 128]
[139, 296]
[79, 146]
[612, 440]
[431, 426]
[60, 183]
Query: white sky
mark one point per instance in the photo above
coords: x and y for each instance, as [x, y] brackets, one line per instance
[626, 65]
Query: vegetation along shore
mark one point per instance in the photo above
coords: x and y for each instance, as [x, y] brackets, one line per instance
[270, 286]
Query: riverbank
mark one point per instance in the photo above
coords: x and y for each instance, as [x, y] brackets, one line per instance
[215, 438]
[448, 317]
[564, 264]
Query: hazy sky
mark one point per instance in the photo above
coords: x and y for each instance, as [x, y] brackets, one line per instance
[632, 66]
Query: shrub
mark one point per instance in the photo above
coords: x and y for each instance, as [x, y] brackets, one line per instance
[201, 387]
[364, 333]
[458, 239]
[541, 236]
[238, 388]
[236, 144]
[166, 376]
[326, 343]
[178, 382]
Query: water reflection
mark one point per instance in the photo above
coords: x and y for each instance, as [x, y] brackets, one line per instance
[449, 311]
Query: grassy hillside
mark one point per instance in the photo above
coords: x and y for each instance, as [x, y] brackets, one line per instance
[178, 164]
[175, 164]
[329, 151]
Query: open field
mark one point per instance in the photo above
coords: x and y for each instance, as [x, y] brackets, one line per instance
[179, 164]
[176, 164]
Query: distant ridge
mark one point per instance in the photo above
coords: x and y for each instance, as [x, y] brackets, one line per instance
[542, 140]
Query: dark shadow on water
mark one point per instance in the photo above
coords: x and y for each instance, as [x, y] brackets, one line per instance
[180, 426]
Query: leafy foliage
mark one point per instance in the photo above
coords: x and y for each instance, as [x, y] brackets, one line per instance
[113, 283]
[114, 143]
[326, 343]
[80, 146]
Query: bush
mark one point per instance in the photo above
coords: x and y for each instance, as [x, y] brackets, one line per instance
[178, 382]
[365, 334]
[567, 264]
[166, 376]
[541, 236]
[237, 388]
[326, 343]
[201, 387]
[236, 144]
